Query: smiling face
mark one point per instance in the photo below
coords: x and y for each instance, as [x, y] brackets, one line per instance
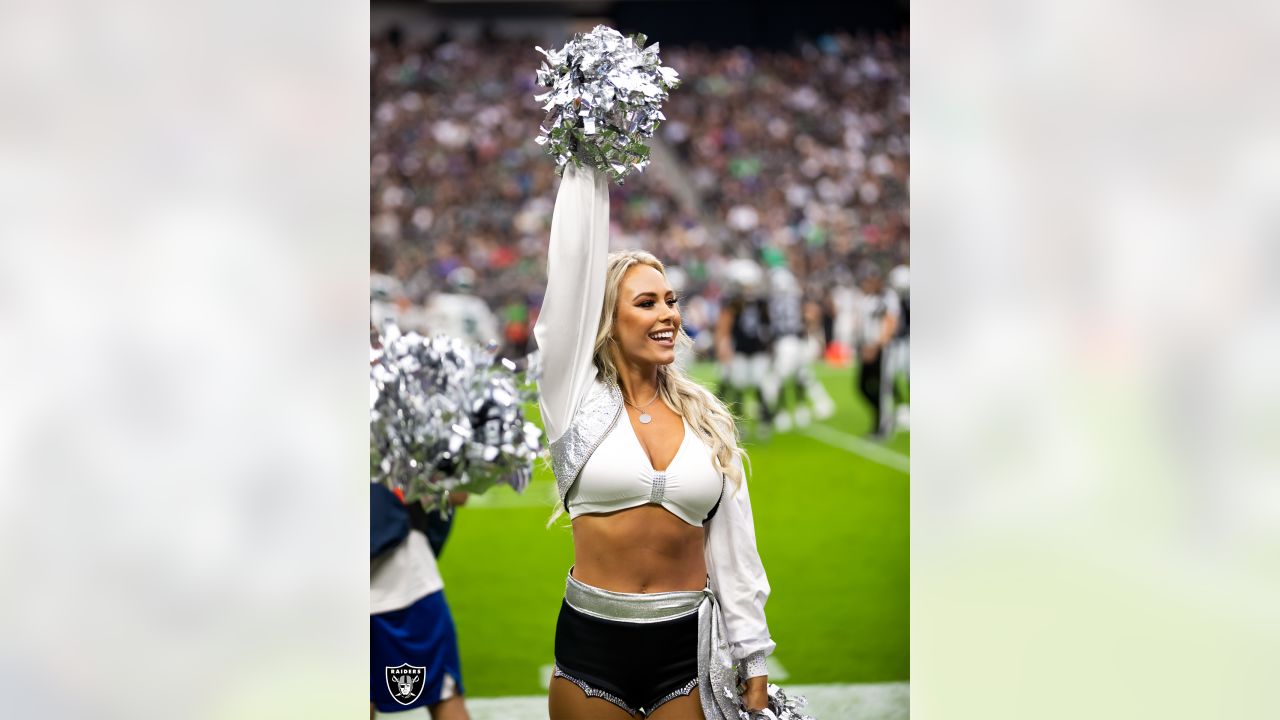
[646, 319]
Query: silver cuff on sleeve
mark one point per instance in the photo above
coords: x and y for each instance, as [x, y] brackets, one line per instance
[754, 665]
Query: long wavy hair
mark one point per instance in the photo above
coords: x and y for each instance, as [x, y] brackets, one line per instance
[704, 412]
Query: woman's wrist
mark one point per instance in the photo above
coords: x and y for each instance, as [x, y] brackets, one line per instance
[755, 695]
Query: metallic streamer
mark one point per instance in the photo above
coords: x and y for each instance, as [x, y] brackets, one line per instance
[446, 415]
[605, 98]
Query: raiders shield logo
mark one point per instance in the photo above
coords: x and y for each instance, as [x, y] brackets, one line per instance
[406, 682]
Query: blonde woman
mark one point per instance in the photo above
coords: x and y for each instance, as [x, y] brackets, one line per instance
[664, 606]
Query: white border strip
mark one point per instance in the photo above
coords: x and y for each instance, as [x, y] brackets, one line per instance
[856, 445]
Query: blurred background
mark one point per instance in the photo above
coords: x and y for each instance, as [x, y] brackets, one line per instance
[788, 145]
[778, 197]
[185, 302]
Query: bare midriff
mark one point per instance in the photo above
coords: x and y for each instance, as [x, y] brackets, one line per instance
[643, 549]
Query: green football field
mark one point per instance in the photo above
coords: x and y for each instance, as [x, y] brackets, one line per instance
[831, 513]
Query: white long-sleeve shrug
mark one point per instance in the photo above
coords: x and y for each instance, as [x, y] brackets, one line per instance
[565, 331]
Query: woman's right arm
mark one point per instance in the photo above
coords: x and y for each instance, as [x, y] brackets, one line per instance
[576, 266]
[738, 579]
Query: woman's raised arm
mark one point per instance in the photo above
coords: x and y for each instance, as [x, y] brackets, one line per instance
[570, 315]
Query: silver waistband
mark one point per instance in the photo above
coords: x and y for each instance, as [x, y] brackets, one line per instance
[717, 672]
[632, 607]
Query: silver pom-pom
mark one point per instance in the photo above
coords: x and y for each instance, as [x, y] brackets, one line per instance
[605, 101]
[781, 707]
[445, 416]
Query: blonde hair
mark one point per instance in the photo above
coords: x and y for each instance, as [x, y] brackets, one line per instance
[704, 412]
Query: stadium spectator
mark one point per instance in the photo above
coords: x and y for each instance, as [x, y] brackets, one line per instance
[800, 156]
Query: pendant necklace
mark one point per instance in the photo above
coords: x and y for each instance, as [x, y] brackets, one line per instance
[645, 418]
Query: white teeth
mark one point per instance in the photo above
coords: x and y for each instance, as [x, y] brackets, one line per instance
[662, 335]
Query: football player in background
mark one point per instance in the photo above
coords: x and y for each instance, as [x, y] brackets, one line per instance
[876, 312]
[793, 352]
[898, 357]
[458, 313]
[743, 342]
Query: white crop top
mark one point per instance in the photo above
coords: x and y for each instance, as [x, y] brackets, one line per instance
[619, 476]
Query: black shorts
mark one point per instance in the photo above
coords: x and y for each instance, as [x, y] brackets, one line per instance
[636, 666]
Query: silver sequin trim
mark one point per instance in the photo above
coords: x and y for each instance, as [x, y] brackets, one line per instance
[590, 425]
[594, 692]
[659, 487]
[682, 692]
[755, 664]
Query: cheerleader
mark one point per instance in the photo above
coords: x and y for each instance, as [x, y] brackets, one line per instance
[663, 613]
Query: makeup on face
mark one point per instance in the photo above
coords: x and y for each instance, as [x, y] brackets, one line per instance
[648, 316]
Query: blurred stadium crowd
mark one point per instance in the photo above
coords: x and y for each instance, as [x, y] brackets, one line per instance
[795, 160]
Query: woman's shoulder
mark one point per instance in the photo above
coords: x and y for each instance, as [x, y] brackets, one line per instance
[599, 385]
[600, 401]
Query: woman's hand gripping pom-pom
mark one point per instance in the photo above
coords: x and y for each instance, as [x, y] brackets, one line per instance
[781, 707]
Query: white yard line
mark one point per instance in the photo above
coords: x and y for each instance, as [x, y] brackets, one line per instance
[856, 445]
[859, 701]
[544, 676]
